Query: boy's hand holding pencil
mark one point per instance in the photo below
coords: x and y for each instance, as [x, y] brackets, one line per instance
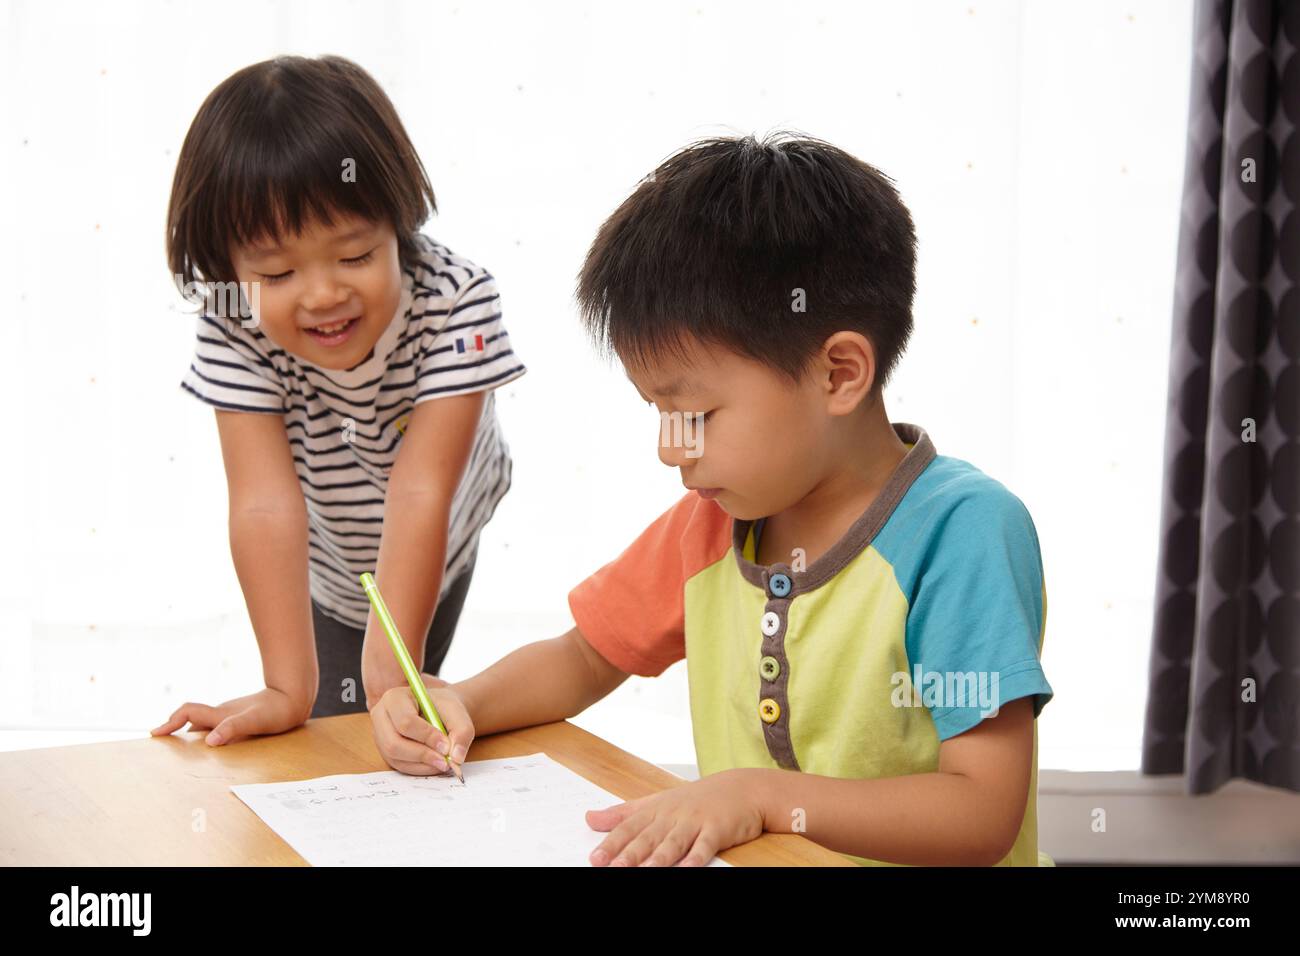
[410, 743]
[422, 728]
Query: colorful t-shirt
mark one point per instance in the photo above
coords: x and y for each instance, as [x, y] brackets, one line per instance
[345, 427]
[923, 619]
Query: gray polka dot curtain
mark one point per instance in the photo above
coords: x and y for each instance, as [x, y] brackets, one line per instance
[1224, 687]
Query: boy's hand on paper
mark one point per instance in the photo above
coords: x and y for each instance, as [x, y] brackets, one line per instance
[268, 711]
[683, 826]
[410, 743]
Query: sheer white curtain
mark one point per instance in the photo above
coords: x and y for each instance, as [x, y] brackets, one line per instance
[1038, 145]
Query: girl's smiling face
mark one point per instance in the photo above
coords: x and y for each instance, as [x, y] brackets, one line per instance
[327, 293]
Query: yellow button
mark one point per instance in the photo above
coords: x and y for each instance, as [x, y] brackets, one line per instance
[770, 668]
[769, 710]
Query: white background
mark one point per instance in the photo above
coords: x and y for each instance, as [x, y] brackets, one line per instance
[1038, 145]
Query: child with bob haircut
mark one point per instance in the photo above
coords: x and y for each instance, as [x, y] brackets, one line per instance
[351, 380]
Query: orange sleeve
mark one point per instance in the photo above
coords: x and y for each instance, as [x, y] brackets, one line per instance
[632, 611]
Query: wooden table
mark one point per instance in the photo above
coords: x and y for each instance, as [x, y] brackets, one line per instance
[166, 801]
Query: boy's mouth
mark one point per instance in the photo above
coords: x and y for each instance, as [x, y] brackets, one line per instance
[334, 333]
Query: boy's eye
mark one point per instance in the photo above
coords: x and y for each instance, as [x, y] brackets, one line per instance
[704, 416]
[279, 277]
[361, 259]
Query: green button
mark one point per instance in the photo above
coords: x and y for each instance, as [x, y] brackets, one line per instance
[770, 668]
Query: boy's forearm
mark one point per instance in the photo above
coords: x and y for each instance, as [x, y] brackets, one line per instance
[928, 819]
[536, 684]
[412, 557]
[269, 549]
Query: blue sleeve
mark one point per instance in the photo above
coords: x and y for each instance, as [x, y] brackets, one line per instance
[975, 625]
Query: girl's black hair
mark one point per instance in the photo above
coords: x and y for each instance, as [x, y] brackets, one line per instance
[266, 154]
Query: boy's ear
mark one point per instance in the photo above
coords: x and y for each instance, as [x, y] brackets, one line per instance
[849, 362]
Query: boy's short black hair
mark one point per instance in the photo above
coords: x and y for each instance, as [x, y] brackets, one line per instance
[715, 243]
[265, 155]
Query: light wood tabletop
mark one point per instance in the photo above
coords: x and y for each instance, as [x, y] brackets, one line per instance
[166, 801]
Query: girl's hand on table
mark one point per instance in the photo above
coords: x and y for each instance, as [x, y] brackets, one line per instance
[268, 711]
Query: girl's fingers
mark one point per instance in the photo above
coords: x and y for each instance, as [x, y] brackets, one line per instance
[170, 725]
[235, 727]
[199, 716]
[203, 717]
[173, 723]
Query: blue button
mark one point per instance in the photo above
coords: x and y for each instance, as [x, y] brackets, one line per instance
[779, 585]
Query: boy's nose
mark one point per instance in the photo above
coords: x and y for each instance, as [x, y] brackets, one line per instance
[681, 438]
[670, 453]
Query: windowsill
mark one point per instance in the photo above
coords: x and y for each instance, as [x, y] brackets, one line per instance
[1153, 820]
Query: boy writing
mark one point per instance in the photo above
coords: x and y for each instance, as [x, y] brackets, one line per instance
[861, 618]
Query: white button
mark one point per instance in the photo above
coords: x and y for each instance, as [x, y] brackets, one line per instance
[771, 623]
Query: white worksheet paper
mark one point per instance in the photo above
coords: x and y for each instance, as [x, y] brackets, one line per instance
[520, 811]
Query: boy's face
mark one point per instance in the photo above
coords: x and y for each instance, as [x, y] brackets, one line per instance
[761, 446]
[325, 294]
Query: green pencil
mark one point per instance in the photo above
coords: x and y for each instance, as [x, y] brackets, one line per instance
[404, 659]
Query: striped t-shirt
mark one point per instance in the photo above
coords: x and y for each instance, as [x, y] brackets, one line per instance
[345, 427]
